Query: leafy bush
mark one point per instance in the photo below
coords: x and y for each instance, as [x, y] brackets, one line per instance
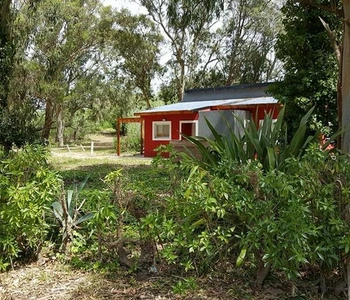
[287, 221]
[17, 125]
[131, 142]
[119, 201]
[258, 200]
[27, 187]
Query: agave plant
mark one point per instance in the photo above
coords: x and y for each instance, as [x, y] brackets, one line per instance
[267, 143]
[69, 214]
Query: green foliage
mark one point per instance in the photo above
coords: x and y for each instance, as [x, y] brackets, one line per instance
[63, 37]
[119, 197]
[69, 213]
[17, 127]
[185, 285]
[268, 144]
[168, 92]
[292, 219]
[27, 187]
[138, 41]
[7, 51]
[131, 142]
[257, 199]
[310, 66]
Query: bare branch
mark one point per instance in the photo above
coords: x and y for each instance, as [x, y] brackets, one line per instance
[333, 39]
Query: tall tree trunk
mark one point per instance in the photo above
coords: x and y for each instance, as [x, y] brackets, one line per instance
[181, 78]
[147, 95]
[345, 78]
[6, 51]
[60, 125]
[181, 84]
[45, 134]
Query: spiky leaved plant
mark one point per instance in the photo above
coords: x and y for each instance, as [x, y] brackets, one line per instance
[68, 212]
[266, 143]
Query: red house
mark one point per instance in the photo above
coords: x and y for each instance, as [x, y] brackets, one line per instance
[166, 123]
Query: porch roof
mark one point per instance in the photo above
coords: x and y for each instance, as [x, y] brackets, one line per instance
[200, 105]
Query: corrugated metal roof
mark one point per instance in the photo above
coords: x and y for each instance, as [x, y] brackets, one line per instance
[200, 105]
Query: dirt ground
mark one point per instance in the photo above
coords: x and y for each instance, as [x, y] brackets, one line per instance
[55, 281]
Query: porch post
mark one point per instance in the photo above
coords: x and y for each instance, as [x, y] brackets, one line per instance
[141, 133]
[118, 137]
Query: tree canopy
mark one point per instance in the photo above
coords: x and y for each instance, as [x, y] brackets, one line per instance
[216, 43]
[76, 62]
[310, 66]
[341, 11]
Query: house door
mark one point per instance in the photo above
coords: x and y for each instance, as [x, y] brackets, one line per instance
[189, 128]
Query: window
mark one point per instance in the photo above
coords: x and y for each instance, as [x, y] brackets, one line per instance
[162, 130]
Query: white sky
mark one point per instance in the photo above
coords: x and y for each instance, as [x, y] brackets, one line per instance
[131, 5]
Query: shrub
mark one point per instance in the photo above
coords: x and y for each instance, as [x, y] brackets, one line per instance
[27, 187]
[248, 201]
[131, 142]
[285, 220]
[17, 125]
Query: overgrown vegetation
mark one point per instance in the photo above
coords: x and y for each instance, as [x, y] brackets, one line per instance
[261, 202]
[131, 141]
[254, 205]
[27, 188]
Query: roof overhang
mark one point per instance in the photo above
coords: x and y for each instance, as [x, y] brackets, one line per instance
[130, 120]
[190, 107]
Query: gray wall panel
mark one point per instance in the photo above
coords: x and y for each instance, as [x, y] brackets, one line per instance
[219, 120]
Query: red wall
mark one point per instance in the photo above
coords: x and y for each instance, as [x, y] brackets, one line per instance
[262, 110]
[175, 119]
[150, 145]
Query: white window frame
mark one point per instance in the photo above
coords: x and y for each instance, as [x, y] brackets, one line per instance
[156, 123]
[188, 122]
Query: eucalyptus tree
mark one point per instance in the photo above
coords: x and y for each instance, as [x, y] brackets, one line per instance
[187, 26]
[64, 47]
[217, 42]
[249, 32]
[137, 43]
[245, 54]
[6, 49]
[6, 64]
[17, 112]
